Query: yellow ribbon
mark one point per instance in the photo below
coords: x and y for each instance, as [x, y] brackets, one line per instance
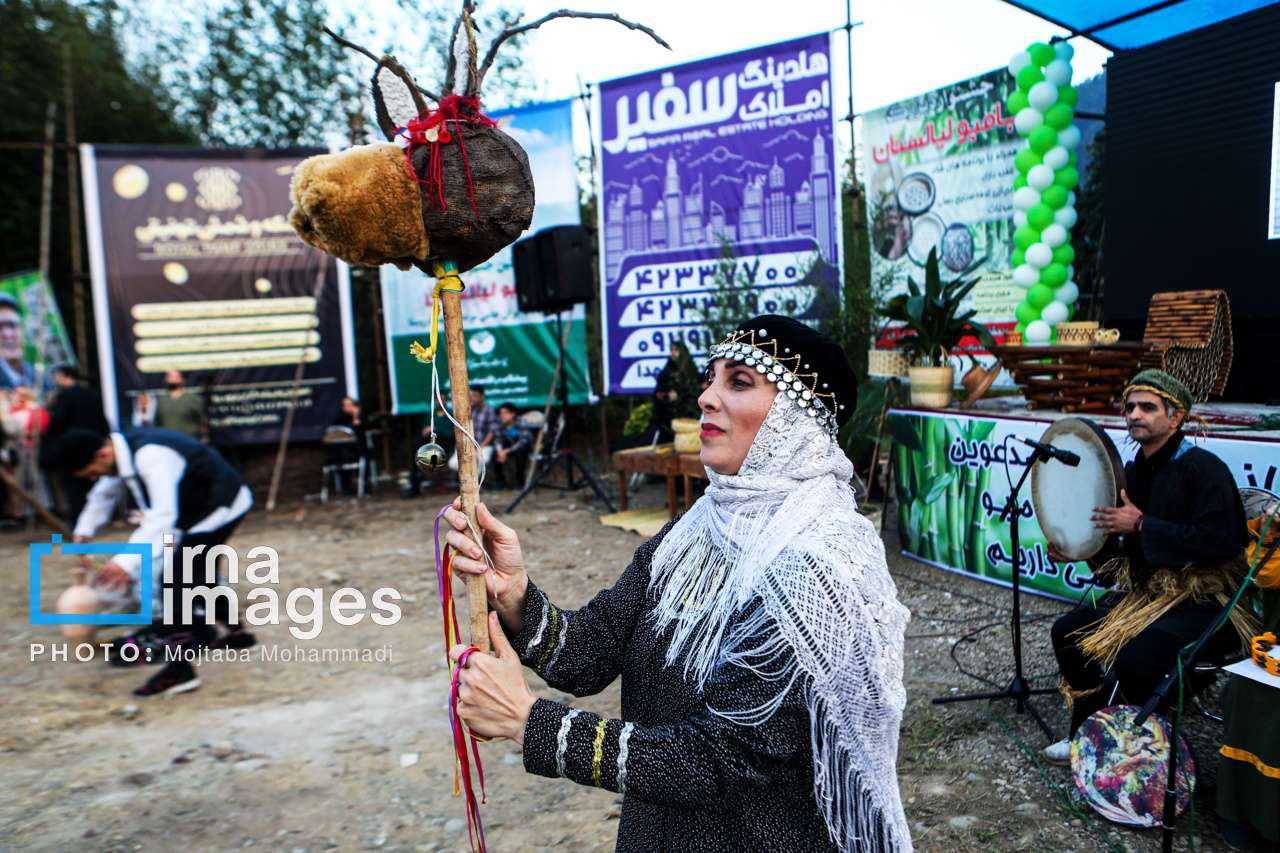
[452, 283]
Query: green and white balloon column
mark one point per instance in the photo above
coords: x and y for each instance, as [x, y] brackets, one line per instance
[1044, 201]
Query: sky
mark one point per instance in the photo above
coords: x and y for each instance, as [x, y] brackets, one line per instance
[903, 47]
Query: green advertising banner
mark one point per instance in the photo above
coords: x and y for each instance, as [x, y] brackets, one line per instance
[32, 334]
[953, 475]
[941, 170]
[512, 354]
[513, 362]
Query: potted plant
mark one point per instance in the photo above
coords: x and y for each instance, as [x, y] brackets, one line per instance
[934, 327]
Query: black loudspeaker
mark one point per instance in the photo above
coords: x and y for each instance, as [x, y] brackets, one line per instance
[553, 269]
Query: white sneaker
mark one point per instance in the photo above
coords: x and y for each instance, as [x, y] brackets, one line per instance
[1058, 753]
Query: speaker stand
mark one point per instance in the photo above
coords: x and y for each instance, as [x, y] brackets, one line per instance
[573, 467]
[572, 464]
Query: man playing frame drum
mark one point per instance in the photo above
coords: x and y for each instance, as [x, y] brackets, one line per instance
[1178, 560]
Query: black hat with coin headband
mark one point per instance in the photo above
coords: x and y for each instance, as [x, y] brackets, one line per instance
[805, 365]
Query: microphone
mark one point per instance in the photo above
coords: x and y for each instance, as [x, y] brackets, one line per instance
[1066, 457]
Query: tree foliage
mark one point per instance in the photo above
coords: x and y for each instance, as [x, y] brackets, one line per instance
[113, 104]
[1087, 236]
[248, 72]
[263, 73]
[213, 72]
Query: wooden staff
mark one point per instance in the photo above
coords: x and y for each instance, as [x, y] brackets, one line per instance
[468, 474]
[30, 500]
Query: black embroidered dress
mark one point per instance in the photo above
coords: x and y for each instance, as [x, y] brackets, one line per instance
[692, 781]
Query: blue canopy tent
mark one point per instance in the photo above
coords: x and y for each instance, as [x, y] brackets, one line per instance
[1127, 24]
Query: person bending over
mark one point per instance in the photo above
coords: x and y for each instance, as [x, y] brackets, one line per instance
[186, 491]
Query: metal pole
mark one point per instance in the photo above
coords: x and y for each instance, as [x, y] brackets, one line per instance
[42, 307]
[73, 206]
[546, 412]
[382, 394]
[855, 196]
[848, 40]
[585, 96]
[46, 189]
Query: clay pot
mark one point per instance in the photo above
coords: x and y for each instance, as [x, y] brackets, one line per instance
[688, 435]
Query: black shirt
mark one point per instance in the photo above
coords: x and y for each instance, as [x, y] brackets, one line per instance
[1194, 513]
[73, 407]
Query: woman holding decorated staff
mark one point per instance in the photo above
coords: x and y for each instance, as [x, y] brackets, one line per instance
[758, 636]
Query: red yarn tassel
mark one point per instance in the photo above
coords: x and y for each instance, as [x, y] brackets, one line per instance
[456, 109]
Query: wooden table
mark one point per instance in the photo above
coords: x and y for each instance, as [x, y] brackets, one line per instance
[1073, 379]
[643, 460]
[671, 465]
[691, 467]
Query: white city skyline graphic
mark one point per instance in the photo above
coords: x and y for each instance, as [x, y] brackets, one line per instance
[682, 219]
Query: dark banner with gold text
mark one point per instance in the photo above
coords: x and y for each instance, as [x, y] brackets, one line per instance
[195, 268]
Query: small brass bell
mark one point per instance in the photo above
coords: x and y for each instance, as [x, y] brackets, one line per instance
[430, 456]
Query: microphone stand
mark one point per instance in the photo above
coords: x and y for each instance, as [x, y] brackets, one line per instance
[1185, 658]
[1019, 689]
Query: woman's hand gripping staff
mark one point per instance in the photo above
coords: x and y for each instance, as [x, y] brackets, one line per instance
[494, 699]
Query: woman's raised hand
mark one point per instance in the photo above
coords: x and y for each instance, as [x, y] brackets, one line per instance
[507, 585]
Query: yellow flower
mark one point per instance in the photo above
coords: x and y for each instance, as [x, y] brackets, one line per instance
[421, 353]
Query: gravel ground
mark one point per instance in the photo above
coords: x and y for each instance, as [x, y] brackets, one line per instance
[355, 756]
[971, 774]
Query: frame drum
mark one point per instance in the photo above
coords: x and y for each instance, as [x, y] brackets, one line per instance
[1064, 497]
[1122, 770]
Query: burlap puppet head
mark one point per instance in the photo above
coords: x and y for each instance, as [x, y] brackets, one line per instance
[447, 182]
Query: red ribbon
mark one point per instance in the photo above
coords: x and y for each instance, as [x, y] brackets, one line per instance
[462, 783]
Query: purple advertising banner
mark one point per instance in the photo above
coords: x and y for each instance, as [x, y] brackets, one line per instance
[196, 269]
[719, 173]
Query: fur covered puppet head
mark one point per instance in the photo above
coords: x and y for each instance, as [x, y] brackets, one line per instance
[361, 206]
[449, 182]
[452, 184]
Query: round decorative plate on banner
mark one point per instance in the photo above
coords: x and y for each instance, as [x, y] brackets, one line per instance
[916, 193]
[926, 236]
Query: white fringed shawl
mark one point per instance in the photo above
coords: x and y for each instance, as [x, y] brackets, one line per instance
[785, 532]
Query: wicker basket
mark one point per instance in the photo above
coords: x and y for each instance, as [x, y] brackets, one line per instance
[1013, 338]
[932, 387]
[1078, 334]
[886, 362]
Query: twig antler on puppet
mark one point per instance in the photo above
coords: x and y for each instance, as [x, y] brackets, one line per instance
[445, 193]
